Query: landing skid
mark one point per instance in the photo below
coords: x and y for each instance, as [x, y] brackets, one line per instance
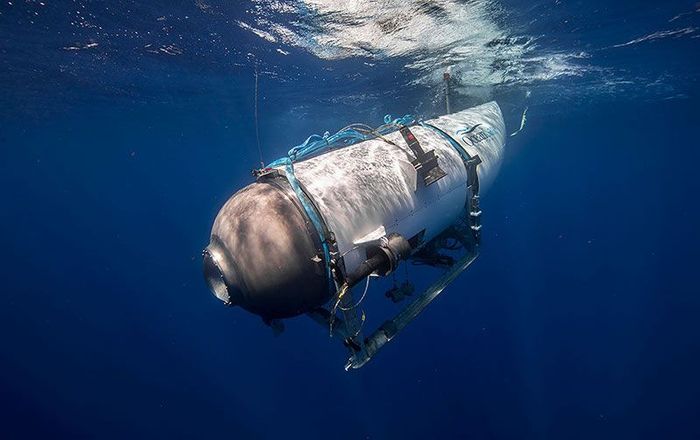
[362, 350]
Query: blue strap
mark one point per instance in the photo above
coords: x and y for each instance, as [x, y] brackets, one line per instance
[311, 212]
[348, 136]
[462, 152]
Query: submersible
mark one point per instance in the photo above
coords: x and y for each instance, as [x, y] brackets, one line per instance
[341, 208]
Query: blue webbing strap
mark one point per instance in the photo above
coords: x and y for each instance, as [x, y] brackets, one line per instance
[462, 152]
[311, 212]
[350, 135]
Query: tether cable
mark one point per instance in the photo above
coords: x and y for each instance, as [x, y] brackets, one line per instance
[257, 127]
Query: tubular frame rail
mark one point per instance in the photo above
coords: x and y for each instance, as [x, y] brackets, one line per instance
[387, 331]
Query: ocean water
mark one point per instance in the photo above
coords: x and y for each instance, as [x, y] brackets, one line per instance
[124, 127]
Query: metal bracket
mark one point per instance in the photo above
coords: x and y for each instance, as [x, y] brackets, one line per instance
[426, 162]
[264, 173]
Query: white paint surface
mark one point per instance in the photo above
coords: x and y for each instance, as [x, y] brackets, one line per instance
[364, 187]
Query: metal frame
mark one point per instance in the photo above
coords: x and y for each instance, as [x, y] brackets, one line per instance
[349, 330]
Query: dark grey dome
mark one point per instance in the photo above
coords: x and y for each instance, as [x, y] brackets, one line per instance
[264, 255]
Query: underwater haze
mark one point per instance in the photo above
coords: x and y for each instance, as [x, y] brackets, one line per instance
[126, 125]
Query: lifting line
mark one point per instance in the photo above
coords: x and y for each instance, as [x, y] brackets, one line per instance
[257, 128]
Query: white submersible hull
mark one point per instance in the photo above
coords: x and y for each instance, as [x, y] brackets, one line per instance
[311, 228]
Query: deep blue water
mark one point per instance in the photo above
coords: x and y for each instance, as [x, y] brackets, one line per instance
[124, 126]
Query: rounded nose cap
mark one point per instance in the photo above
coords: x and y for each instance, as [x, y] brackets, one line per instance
[220, 274]
[264, 255]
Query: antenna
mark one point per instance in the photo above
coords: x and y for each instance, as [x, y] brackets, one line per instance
[446, 77]
[257, 126]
